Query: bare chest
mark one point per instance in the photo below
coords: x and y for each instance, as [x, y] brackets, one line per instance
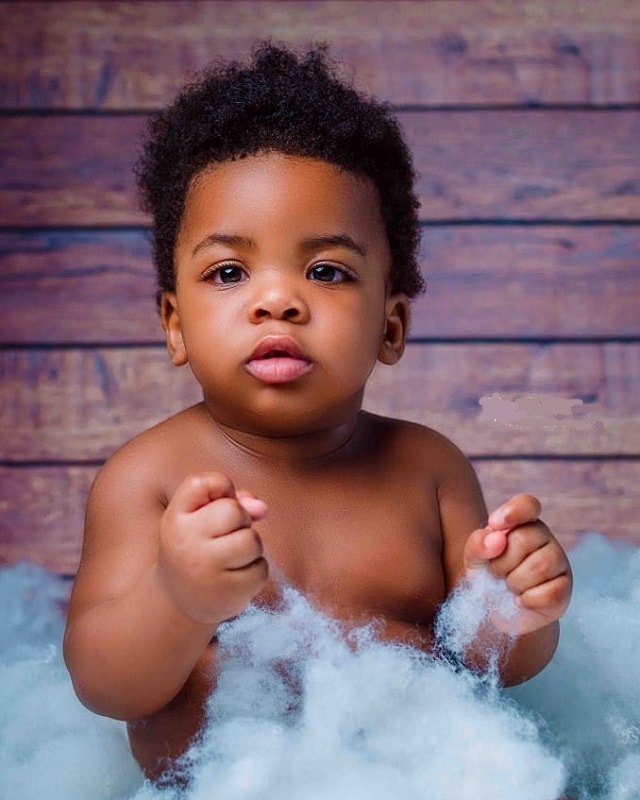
[376, 557]
[359, 534]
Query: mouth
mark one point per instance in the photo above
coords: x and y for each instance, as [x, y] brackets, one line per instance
[278, 359]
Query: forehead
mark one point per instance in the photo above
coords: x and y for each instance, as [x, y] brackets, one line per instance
[273, 189]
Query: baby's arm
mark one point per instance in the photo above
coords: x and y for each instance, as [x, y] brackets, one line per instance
[516, 545]
[154, 583]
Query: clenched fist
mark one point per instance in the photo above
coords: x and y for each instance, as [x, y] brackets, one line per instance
[517, 546]
[210, 558]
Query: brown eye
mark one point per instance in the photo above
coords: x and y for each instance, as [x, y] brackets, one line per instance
[228, 274]
[328, 273]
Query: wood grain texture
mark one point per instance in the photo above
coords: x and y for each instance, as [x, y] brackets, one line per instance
[518, 399]
[578, 497]
[42, 508]
[118, 55]
[498, 165]
[77, 287]
[560, 165]
[79, 404]
[511, 282]
[524, 121]
[42, 515]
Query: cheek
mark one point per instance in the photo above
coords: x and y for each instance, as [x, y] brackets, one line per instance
[207, 333]
[358, 336]
[207, 318]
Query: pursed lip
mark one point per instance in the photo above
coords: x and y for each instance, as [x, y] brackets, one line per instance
[278, 359]
[277, 346]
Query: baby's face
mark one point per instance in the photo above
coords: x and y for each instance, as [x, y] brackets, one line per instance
[281, 303]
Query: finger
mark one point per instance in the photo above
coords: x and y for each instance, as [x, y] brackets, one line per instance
[519, 510]
[255, 573]
[239, 549]
[257, 509]
[550, 598]
[522, 542]
[220, 518]
[198, 490]
[540, 566]
[482, 546]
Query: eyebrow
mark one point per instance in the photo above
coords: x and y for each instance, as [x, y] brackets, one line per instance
[230, 239]
[310, 244]
[334, 240]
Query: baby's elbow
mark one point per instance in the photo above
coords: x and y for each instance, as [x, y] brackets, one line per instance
[94, 697]
[89, 685]
[88, 690]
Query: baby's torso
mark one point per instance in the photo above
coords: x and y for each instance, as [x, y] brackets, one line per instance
[359, 536]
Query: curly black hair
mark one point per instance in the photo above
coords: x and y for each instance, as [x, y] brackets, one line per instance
[279, 102]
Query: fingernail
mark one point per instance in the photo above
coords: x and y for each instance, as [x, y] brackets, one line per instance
[498, 519]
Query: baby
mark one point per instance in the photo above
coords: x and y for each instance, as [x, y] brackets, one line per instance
[285, 241]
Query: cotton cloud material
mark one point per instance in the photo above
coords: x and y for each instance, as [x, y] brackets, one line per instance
[301, 714]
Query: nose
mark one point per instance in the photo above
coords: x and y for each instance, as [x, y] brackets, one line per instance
[278, 298]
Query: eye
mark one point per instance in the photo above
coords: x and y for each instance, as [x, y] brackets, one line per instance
[328, 273]
[226, 274]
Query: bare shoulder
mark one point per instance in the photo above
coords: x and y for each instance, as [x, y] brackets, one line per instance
[424, 446]
[147, 463]
[125, 505]
[451, 471]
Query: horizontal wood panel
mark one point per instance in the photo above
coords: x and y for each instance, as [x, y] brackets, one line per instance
[487, 282]
[82, 404]
[516, 281]
[41, 508]
[69, 170]
[503, 165]
[564, 165]
[77, 287]
[42, 515]
[577, 497]
[513, 399]
[118, 55]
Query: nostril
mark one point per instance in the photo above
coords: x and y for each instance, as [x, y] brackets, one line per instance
[290, 311]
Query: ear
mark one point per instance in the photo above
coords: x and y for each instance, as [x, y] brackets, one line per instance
[173, 330]
[395, 329]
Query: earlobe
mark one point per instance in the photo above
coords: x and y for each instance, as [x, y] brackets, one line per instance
[395, 330]
[173, 330]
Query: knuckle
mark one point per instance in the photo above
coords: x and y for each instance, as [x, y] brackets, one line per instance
[201, 485]
[526, 505]
[193, 482]
[519, 542]
[539, 565]
[216, 481]
[559, 590]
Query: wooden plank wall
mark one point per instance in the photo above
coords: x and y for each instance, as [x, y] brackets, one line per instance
[525, 123]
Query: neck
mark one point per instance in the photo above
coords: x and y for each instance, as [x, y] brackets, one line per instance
[299, 449]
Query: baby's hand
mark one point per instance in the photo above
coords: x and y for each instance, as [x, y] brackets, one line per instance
[517, 546]
[209, 557]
